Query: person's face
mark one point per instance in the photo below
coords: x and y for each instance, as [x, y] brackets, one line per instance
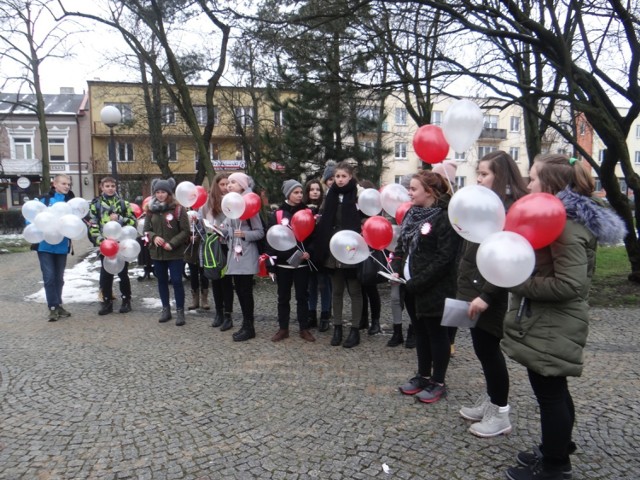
[295, 197]
[223, 185]
[534, 181]
[161, 195]
[62, 185]
[342, 177]
[233, 186]
[418, 195]
[108, 188]
[314, 191]
[485, 175]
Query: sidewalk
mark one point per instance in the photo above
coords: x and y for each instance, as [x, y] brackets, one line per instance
[123, 396]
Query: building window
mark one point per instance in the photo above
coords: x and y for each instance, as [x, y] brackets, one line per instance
[398, 178]
[637, 158]
[401, 150]
[515, 153]
[623, 185]
[436, 117]
[201, 114]
[214, 151]
[514, 124]
[168, 114]
[57, 149]
[638, 131]
[22, 148]
[368, 113]
[244, 116]
[170, 150]
[461, 156]
[482, 151]
[124, 152]
[369, 147]
[490, 121]
[459, 182]
[125, 111]
[278, 118]
[601, 155]
[401, 116]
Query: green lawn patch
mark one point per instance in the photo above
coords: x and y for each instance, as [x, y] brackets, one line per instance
[610, 287]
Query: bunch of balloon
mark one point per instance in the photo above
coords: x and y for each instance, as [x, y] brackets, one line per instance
[52, 224]
[430, 145]
[392, 197]
[119, 246]
[378, 234]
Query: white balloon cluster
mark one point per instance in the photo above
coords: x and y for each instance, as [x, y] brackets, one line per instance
[54, 223]
[120, 246]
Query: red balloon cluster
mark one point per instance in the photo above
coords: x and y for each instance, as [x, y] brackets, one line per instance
[252, 204]
[538, 217]
[377, 232]
[430, 145]
[302, 223]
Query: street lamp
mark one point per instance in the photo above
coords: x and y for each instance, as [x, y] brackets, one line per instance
[111, 117]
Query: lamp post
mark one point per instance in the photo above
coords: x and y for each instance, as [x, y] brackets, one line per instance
[111, 116]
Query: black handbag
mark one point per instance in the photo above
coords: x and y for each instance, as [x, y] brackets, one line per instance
[368, 270]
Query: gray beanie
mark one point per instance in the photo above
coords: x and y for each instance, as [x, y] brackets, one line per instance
[289, 186]
[165, 185]
[329, 171]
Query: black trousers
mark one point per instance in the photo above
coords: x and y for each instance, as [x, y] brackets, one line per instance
[243, 285]
[487, 348]
[223, 294]
[299, 279]
[197, 279]
[557, 416]
[106, 281]
[371, 297]
[432, 347]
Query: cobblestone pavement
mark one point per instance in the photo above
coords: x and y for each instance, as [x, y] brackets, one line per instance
[122, 396]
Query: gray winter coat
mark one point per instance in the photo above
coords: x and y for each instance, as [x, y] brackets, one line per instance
[247, 263]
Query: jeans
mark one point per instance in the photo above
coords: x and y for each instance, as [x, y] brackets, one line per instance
[319, 281]
[299, 279]
[162, 269]
[106, 282]
[487, 348]
[52, 266]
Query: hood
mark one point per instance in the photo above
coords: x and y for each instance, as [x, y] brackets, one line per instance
[603, 222]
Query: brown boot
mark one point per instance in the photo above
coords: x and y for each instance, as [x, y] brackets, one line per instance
[204, 299]
[307, 336]
[280, 335]
[195, 300]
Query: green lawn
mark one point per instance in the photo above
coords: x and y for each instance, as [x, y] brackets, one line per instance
[610, 286]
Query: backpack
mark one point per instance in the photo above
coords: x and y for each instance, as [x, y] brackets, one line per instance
[100, 211]
[214, 258]
[262, 243]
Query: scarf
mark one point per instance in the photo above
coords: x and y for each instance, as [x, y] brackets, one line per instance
[159, 207]
[414, 219]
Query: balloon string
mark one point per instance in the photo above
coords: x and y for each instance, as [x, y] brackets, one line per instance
[386, 267]
[301, 248]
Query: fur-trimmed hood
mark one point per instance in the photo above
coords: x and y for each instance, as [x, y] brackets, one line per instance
[604, 223]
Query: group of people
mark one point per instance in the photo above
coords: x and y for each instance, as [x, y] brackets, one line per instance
[541, 324]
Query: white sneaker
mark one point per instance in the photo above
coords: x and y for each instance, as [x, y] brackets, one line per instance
[476, 413]
[495, 422]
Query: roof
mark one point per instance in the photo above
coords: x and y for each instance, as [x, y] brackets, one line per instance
[55, 104]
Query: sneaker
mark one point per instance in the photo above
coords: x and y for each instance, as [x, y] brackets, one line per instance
[53, 314]
[432, 393]
[529, 459]
[415, 385]
[476, 412]
[535, 472]
[494, 422]
[62, 312]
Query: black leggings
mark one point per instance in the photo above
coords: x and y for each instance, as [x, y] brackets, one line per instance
[487, 348]
[557, 416]
[432, 346]
[243, 285]
[371, 296]
[223, 294]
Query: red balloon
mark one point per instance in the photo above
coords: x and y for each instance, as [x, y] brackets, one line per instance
[109, 248]
[430, 145]
[302, 224]
[135, 208]
[252, 204]
[377, 232]
[262, 265]
[146, 201]
[402, 211]
[538, 217]
[201, 197]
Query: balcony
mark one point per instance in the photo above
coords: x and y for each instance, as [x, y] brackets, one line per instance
[493, 134]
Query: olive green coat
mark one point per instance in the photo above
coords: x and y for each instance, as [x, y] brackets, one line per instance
[174, 230]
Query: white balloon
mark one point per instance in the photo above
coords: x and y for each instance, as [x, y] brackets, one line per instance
[31, 234]
[53, 238]
[186, 194]
[79, 207]
[462, 124]
[72, 227]
[112, 230]
[394, 241]
[505, 259]
[281, 238]
[46, 221]
[369, 202]
[129, 249]
[32, 208]
[129, 231]
[349, 247]
[392, 196]
[232, 205]
[113, 265]
[60, 209]
[475, 212]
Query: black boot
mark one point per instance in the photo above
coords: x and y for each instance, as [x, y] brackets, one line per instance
[396, 339]
[364, 322]
[324, 321]
[106, 308]
[227, 323]
[337, 336]
[375, 327]
[126, 305]
[410, 342]
[353, 339]
[217, 320]
[180, 317]
[246, 332]
[313, 319]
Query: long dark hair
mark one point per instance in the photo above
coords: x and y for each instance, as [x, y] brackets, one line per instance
[307, 189]
[214, 202]
[508, 183]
